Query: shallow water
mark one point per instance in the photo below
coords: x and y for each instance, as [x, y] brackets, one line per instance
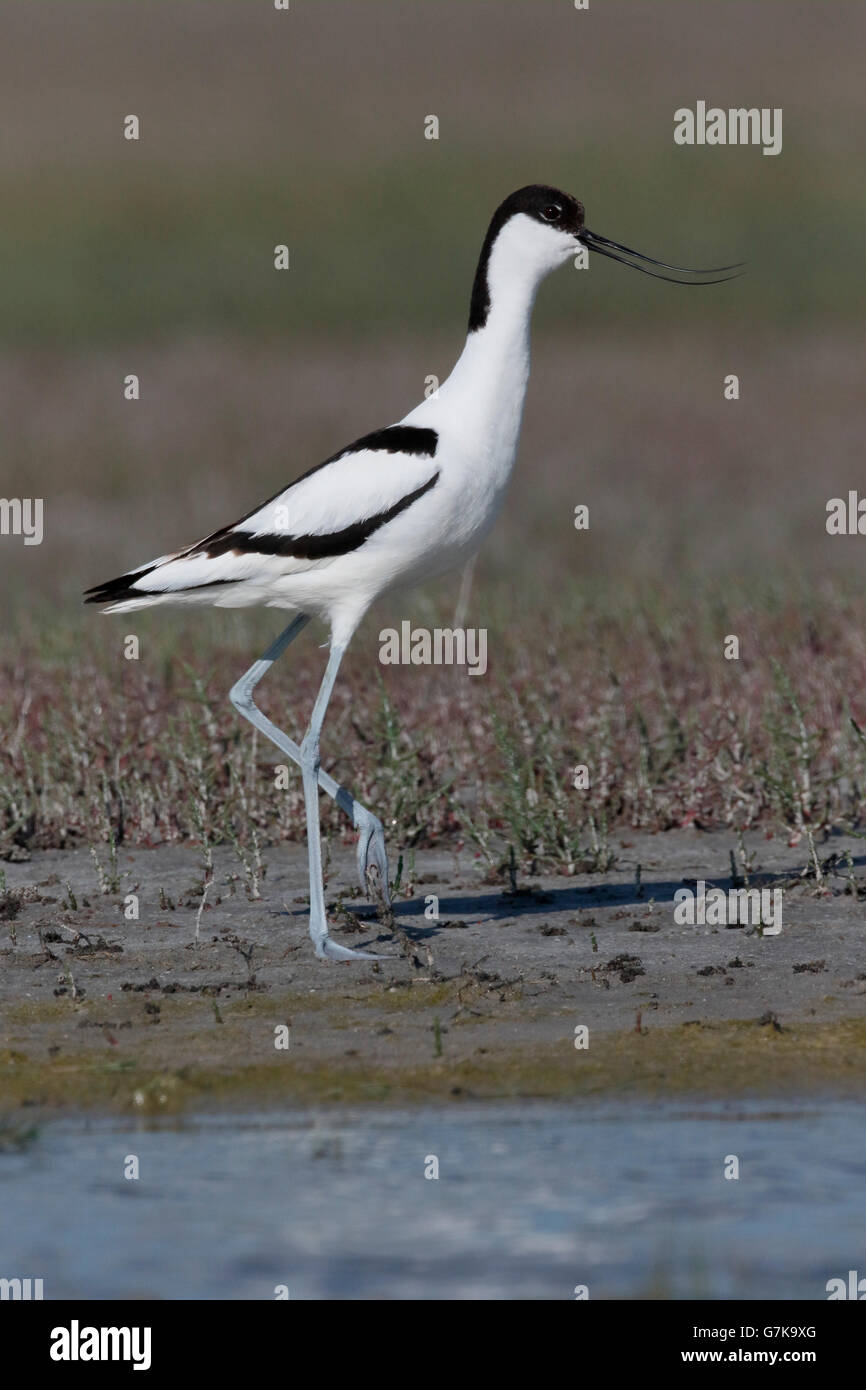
[531, 1200]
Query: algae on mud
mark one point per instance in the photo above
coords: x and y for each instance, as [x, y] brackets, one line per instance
[716, 1060]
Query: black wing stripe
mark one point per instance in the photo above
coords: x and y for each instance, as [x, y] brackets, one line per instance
[325, 547]
[395, 439]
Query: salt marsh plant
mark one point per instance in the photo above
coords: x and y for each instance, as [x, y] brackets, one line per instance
[667, 741]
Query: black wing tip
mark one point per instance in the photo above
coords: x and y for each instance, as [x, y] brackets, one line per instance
[116, 590]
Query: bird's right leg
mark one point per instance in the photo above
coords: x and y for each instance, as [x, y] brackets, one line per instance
[459, 619]
[371, 853]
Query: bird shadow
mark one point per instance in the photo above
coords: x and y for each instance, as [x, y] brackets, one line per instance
[502, 906]
[492, 906]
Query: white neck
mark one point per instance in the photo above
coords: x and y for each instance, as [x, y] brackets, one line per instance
[493, 367]
[482, 399]
[488, 384]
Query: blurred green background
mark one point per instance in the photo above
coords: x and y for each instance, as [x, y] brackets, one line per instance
[307, 127]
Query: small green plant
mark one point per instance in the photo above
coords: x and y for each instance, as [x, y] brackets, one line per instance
[544, 814]
[799, 790]
[107, 876]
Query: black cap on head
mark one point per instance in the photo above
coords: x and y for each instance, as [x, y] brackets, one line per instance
[547, 205]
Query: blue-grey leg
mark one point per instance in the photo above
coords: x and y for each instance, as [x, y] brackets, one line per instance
[326, 949]
[460, 612]
[371, 852]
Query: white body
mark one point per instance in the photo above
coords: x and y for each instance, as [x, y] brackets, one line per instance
[476, 415]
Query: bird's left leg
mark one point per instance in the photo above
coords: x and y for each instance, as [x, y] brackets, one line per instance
[326, 949]
[371, 852]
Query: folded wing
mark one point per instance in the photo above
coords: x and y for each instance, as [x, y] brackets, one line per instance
[330, 511]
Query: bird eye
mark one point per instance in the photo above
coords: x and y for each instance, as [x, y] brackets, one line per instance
[552, 213]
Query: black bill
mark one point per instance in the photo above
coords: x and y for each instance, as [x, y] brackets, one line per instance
[624, 254]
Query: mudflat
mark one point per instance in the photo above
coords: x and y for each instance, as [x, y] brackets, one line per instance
[550, 987]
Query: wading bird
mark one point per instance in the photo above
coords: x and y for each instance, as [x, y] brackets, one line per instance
[400, 505]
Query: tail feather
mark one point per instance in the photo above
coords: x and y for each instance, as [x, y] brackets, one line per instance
[116, 590]
[181, 582]
[192, 576]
